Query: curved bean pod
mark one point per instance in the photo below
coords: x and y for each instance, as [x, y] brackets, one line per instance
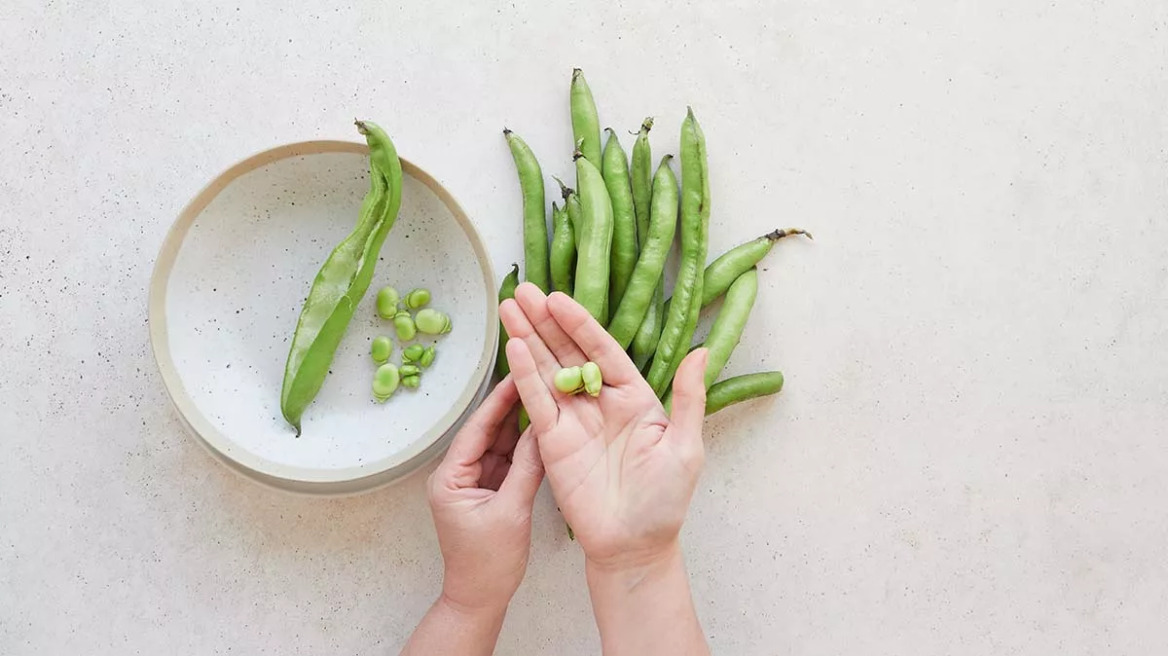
[506, 291]
[642, 179]
[594, 244]
[535, 236]
[645, 341]
[342, 281]
[585, 121]
[742, 388]
[646, 276]
[563, 253]
[723, 271]
[681, 320]
[624, 219]
[728, 325]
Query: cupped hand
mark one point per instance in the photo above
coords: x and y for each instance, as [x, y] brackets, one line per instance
[481, 497]
[621, 470]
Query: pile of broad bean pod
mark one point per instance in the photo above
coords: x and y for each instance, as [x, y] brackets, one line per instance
[609, 245]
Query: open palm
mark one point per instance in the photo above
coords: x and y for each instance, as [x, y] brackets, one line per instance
[621, 470]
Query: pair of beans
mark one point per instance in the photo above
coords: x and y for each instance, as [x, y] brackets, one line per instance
[584, 378]
[342, 281]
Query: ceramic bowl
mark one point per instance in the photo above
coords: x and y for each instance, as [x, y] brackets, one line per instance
[227, 290]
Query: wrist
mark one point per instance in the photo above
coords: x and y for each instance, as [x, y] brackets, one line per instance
[644, 606]
[633, 560]
[635, 568]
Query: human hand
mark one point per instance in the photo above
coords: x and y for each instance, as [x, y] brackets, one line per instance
[621, 470]
[481, 497]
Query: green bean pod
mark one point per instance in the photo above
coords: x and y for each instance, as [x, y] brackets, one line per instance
[730, 322]
[723, 271]
[624, 218]
[681, 320]
[506, 291]
[342, 281]
[642, 179]
[742, 388]
[646, 276]
[535, 236]
[594, 244]
[585, 121]
[645, 341]
[563, 257]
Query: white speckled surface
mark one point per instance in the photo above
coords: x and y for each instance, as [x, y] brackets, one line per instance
[969, 457]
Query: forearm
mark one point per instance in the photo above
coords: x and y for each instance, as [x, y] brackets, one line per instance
[451, 629]
[647, 609]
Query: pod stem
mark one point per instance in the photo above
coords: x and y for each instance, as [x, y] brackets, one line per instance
[780, 233]
[361, 126]
[646, 125]
[565, 190]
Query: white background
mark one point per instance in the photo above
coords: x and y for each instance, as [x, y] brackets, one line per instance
[969, 457]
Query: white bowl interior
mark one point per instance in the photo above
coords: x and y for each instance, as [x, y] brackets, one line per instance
[235, 292]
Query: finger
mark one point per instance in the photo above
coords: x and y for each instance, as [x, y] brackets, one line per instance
[482, 429]
[519, 328]
[533, 389]
[534, 304]
[689, 402]
[525, 475]
[597, 345]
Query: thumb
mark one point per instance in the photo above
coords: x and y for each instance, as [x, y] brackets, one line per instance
[526, 473]
[689, 399]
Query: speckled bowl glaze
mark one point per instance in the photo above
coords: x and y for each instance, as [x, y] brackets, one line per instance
[227, 291]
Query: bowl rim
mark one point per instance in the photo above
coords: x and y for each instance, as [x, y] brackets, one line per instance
[295, 478]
